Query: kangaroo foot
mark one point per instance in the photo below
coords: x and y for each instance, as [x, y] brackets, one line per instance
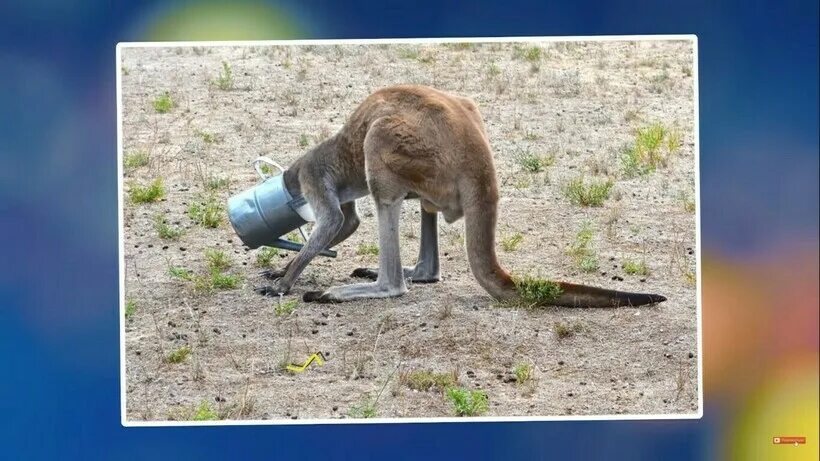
[415, 275]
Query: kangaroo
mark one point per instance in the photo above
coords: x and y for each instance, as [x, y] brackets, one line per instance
[411, 142]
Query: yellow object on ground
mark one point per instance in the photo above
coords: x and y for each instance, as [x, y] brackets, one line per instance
[318, 357]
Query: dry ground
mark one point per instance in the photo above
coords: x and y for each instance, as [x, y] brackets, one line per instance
[579, 105]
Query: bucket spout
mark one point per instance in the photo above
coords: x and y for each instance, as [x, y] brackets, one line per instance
[293, 246]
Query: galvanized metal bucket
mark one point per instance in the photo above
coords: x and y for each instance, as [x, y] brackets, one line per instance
[264, 213]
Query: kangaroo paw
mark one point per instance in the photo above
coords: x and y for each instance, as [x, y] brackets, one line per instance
[365, 273]
[321, 297]
[270, 291]
[273, 274]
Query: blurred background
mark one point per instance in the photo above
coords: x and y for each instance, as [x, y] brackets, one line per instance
[59, 384]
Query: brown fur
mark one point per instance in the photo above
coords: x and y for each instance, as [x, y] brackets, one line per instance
[413, 141]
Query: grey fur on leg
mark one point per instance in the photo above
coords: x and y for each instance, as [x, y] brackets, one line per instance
[351, 223]
[329, 221]
[426, 269]
[390, 281]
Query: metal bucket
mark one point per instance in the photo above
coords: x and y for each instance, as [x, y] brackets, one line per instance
[264, 213]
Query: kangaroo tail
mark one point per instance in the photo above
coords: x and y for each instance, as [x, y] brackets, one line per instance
[480, 224]
[573, 295]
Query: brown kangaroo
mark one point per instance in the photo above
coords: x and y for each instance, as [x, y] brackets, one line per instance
[411, 142]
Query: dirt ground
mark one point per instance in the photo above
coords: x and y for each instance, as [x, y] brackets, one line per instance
[579, 104]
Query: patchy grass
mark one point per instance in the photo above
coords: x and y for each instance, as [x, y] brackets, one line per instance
[468, 402]
[217, 260]
[424, 380]
[674, 140]
[564, 331]
[531, 53]
[215, 183]
[283, 309]
[304, 140]
[205, 413]
[589, 194]
[585, 258]
[409, 53]
[207, 137]
[179, 355]
[533, 163]
[222, 281]
[130, 308]
[364, 410]
[165, 230]
[461, 46]
[635, 268]
[512, 242]
[652, 148]
[523, 182]
[216, 280]
[688, 203]
[163, 103]
[536, 291]
[180, 273]
[224, 81]
[147, 194]
[265, 256]
[367, 249]
[207, 211]
[691, 278]
[135, 160]
[523, 372]
[493, 70]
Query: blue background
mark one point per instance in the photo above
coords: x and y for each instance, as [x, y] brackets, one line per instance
[59, 381]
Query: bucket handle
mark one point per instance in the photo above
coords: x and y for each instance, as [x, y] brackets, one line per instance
[258, 168]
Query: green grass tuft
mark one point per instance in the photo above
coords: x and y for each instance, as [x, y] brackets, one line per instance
[424, 380]
[207, 212]
[636, 268]
[225, 79]
[180, 273]
[652, 147]
[523, 372]
[147, 194]
[207, 137]
[222, 281]
[214, 183]
[265, 256]
[580, 250]
[179, 355]
[512, 242]
[283, 309]
[217, 260]
[163, 103]
[205, 413]
[593, 194]
[364, 410]
[528, 53]
[468, 402]
[533, 163]
[535, 291]
[166, 231]
[367, 249]
[564, 331]
[135, 160]
[130, 309]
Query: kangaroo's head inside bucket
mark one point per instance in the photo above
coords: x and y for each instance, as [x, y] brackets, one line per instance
[262, 214]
